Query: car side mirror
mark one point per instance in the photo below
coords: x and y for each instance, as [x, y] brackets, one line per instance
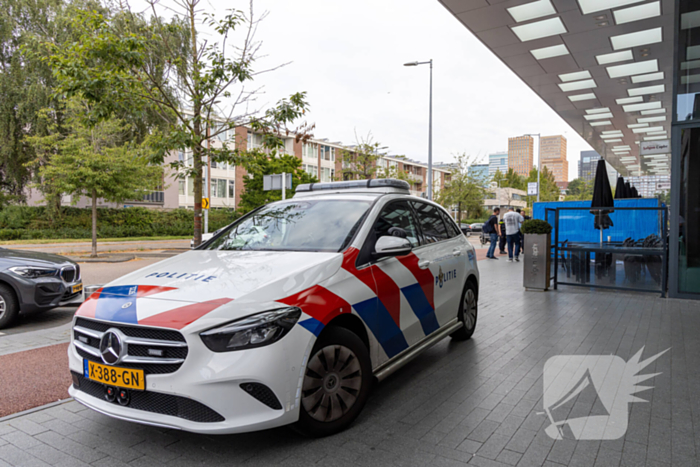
[391, 246]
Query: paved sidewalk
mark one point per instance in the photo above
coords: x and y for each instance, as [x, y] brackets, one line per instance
[20, 342]
[475, 403]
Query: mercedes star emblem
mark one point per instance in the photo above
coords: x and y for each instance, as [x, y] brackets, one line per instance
[112, 346]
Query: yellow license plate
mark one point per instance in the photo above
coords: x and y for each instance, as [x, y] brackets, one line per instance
[114, 376]
[77, 288]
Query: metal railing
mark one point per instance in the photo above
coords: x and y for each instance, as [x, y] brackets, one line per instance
[154, 197]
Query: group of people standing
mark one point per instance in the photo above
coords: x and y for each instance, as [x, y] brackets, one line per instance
[507, 231]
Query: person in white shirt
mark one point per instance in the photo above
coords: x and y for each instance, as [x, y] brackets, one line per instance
[513, 220]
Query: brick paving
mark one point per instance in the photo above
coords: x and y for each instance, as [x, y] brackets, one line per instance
[474, 403]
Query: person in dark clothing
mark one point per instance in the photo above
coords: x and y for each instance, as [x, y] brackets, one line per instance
[492, 228]
[502, 238]
[522, 236]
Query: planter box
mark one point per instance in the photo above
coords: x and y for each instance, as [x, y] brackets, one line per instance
[537, 267]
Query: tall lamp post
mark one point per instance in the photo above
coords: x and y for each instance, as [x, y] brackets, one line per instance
[539, 160]
[430, 126]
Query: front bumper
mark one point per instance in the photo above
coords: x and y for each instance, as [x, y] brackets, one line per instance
[215, 380]
[38, 295]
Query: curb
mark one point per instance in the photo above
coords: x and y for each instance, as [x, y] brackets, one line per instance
[34, 409]
[108, 259]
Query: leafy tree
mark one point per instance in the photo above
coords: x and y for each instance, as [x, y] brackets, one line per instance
[549, 191]
[579, 190]
[664, 197]
[360, 162]
[263, 164]
[199, 94]
[91, 162]
[465, 190]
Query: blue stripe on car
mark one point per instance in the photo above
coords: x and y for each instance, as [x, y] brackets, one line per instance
[421, 307]
[313, 325]
[379, 321]
[117, 304]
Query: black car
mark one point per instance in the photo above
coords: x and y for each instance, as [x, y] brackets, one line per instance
[31, 282]
[466, 229]
[477, 227]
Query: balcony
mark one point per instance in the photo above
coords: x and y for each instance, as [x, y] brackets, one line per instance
[414, 178]
[156, 197]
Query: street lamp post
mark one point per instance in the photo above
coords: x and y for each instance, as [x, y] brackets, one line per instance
[539, 160]
[430, 126]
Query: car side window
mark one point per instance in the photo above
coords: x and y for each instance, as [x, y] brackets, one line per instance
[397, 215]
[431, 222]
[452, 229]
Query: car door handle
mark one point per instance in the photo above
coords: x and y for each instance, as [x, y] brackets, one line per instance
[424, 264]
[457, 252]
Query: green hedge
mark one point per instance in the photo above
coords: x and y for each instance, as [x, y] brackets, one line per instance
[36, 222]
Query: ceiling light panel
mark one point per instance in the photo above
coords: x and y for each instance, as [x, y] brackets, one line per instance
[642, 106]
[647, 78]
[598, 116]
[613, 140]
[690, 65]
[635, 39]
[531, 10]
[603, 123]
[638, 125]
[582, 97]
[690, 79]
[614, 57]
[657, 133]
[539, 29]
[629, 69]
[654, 138]
[692, 52]
[622, 147]
[637, 13]
[645, 130]
[690, 20]
[577, 85]
[611, 132]
[629, 100]
[661, 118]
[549, 52]
[597, 111]
[591, 6]
[575, 76]
[657, 89]
[654, 111]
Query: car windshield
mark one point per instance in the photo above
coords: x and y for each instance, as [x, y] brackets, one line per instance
[297, 225]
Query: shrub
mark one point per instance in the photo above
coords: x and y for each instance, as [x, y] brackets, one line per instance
[536, 226]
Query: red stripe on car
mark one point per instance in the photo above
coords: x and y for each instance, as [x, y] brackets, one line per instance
[319, 303]
[423, 276]
[87, 309]
[146, 290]
[178, 318]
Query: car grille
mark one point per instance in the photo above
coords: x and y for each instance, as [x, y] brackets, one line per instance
[70, 273]
[155, 402]
[153, 350]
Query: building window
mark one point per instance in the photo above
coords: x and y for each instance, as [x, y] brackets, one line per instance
[218, 188]
[309, 151]
[231, 189]
[190, 186]
[181, 187]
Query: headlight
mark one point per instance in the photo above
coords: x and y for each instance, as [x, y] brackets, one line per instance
[253, 331]
[33, 272]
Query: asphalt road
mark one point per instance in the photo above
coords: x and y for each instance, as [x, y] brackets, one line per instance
[92, 273]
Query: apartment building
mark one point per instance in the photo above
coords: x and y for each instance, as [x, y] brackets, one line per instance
[521, 154]
[552, 154]
[414, 172]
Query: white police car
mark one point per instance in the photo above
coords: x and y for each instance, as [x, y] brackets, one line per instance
[287, 316]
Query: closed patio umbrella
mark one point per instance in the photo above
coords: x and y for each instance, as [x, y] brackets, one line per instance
[620, 188]
[628, 190]
[635, 193]
[602, 198]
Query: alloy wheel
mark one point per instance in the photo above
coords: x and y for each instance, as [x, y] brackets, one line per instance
[469, 309]
[332, 383]
[3, 307]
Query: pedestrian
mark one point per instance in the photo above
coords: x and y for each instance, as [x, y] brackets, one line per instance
[513, 220]
[502, 238]
[492, 228]
[522, 236]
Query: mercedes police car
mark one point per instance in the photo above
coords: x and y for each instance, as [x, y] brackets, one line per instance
[288, 316]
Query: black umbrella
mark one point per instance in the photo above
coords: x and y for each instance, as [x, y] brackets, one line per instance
[628, 190]
[620, 188]
[602, 198]
[635, 193]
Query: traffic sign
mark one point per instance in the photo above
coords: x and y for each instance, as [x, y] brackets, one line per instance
[531, 188]
[205, 203]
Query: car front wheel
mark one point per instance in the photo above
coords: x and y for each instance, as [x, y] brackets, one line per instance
[9, 308]
[336, 384]
[468, 310]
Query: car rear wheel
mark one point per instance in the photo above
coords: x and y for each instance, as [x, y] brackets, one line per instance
[468, 311]
[9, 308]
[336, 384]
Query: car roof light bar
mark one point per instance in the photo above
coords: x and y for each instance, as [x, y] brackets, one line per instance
[354, 185]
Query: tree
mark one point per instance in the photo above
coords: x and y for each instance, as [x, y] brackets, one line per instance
[465, 190]
[199, 94]
[579, 190]
[360, 162]
[91, 162]
[263, 164]
[549, 191]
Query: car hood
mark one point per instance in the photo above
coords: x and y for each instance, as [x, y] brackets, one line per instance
[175, 292]
[34, 258]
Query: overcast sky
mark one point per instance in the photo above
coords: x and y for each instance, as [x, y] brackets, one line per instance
[348, 56]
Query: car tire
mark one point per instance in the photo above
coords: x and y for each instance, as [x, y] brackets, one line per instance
[468, 312]
[9, 307]
[337, 382]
